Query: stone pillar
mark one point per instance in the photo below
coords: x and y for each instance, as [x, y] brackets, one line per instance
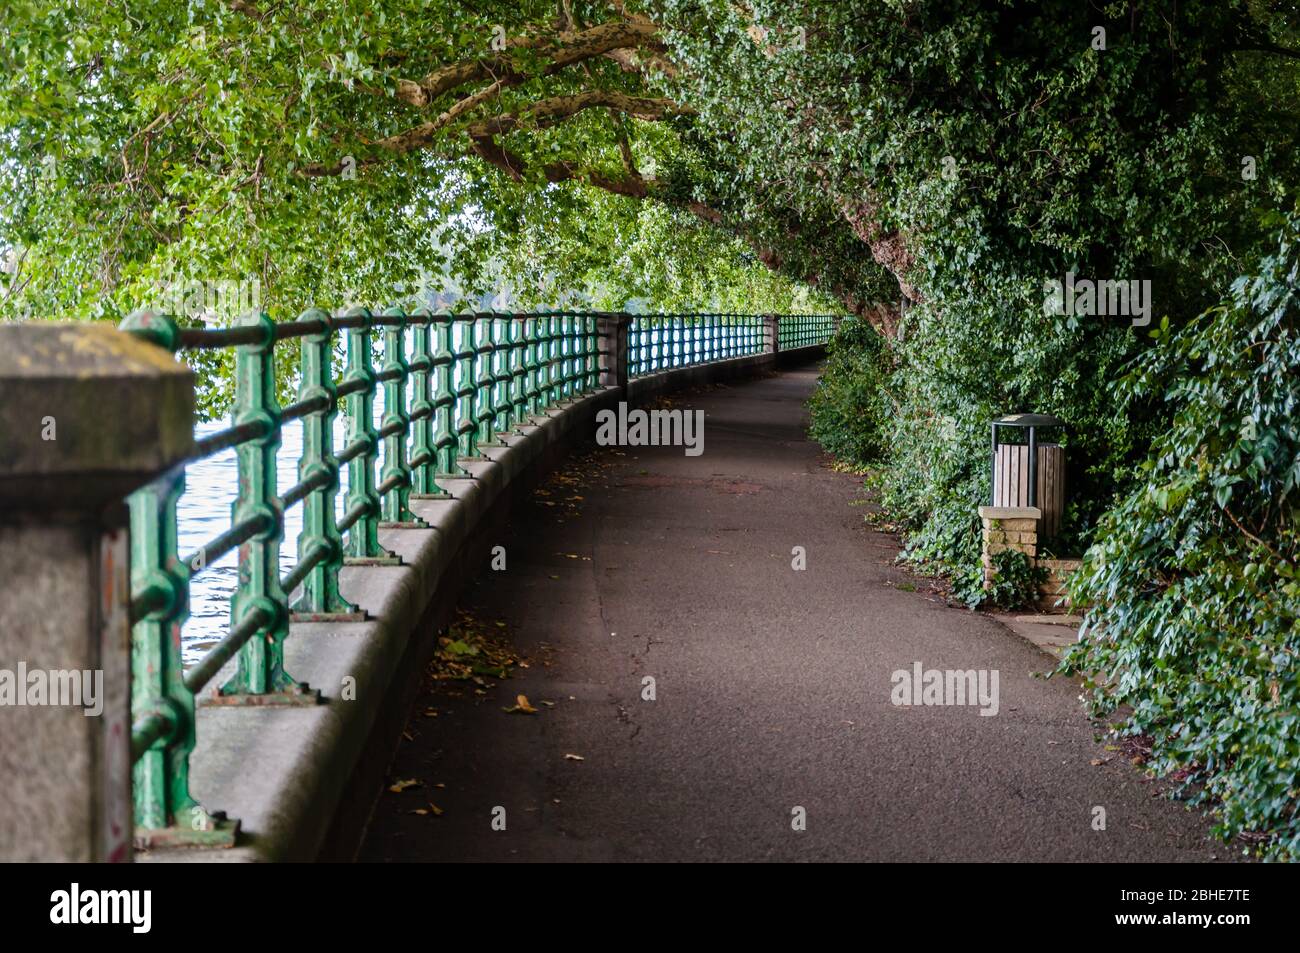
[772, 333]
[87, 415]
[611, 332]
[1008, 527]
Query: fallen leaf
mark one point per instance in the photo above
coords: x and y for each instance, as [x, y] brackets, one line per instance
[521, 706]
[574, 757]
[401, 786]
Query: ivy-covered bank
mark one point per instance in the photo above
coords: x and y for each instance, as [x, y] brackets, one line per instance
[1004, 151]
[1190, 573]
[1194, 575]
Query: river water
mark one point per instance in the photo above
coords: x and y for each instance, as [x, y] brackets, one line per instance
[204, 512]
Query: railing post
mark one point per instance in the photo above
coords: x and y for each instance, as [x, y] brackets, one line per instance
[259, 676]
[612, 347]
[424, 411]
[591, 357]
[551, 373]
[505, 378]
[395, 475]
[467, 352]
[446, 437]
[519, 371]
[564, 355]
[320, 600]
[165, 813]
[772, 333]
[362, 501]
[532, 369]
[485, 411]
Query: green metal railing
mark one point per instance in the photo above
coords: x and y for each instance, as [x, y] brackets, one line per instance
[661, 342]
[452, 386]
[805, 330]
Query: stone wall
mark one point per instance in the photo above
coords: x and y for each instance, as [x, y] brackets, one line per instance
[1016, 528]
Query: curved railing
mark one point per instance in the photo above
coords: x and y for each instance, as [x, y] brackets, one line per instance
[661, 342]
[805, 330]
[453, 384]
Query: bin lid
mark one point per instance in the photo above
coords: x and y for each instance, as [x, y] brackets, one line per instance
[1029, 420]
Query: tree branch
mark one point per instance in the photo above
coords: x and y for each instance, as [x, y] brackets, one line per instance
[549, 112]
[565, 49]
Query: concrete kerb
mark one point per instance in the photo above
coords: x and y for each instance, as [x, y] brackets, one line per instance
[285, 772]
[642, 389]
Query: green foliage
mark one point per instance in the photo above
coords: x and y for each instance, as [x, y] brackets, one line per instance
[149, 149]
[850, 408]
[1002, 150]
[1193, 576]
[145, 148]
[1015, 585]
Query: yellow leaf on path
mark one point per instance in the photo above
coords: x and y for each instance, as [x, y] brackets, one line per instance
[521, 706]
[437, 811]
[401, 786]
[574, 757]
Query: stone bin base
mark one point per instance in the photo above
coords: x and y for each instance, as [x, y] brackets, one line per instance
[1053, 589]
[1016, 527]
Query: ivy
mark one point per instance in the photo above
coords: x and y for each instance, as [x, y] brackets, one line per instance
[1192, 577]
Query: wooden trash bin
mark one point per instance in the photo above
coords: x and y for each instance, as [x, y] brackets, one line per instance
[1011, 482]
[1019, 479]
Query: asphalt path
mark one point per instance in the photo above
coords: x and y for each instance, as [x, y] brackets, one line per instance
[773, 732]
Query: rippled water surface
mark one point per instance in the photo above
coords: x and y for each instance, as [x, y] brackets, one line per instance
[204, 512]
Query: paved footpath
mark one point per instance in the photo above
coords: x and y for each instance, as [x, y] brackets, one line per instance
[772, 686]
